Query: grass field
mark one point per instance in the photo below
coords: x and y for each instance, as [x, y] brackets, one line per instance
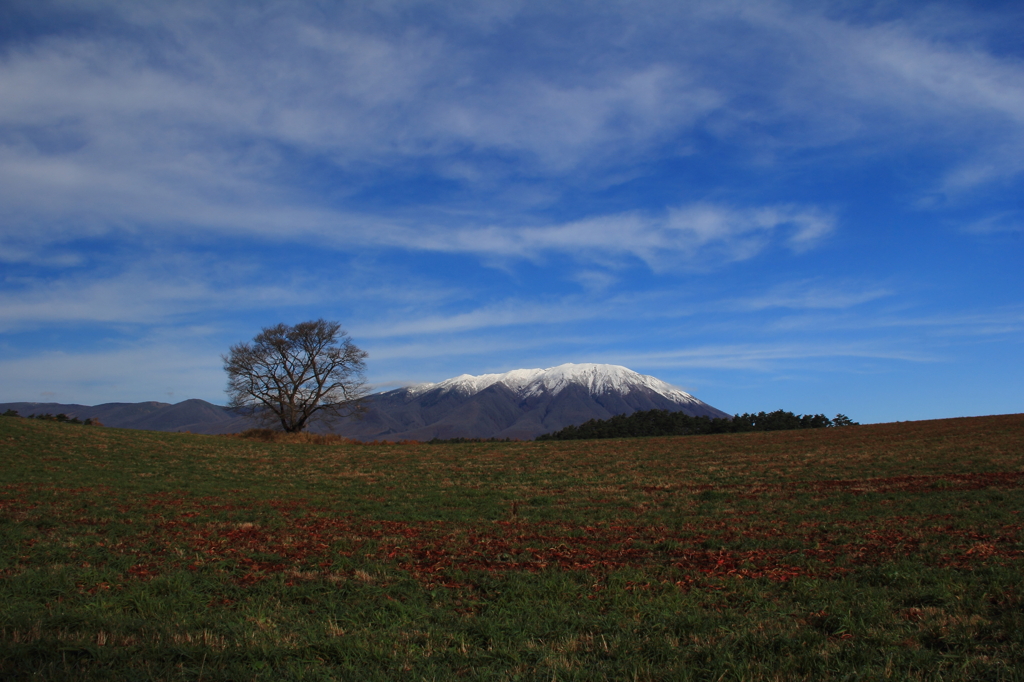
[890, 551]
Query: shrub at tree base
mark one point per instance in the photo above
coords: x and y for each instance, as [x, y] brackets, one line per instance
[272, 436]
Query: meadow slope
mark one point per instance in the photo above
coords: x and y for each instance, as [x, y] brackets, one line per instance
[867, 552]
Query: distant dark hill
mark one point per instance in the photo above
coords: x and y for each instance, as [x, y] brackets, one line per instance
[197, 416]
[111, 414]
[521, 404]
[193, 415]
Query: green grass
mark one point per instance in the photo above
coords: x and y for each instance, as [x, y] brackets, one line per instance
[873, 552]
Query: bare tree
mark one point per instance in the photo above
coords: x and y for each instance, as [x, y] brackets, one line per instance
[291, 374]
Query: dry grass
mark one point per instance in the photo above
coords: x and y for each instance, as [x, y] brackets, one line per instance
[272, 436]
[890, 551]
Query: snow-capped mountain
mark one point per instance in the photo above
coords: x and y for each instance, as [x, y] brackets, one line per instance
[597, 379]
[523, 403]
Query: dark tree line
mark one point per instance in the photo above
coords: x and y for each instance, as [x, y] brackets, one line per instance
[665, 423]
[55, 418]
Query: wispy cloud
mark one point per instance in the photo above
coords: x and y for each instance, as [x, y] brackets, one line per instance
[505, 313]
[111, 375]
[949, 322]
[153, 291]
[771, 355]
[699, 235]
[810, 295]
[193, 121]
[922, 77]
[1004, 221]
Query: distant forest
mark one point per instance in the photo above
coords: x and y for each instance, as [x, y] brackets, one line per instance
[665, 423]
[54, 418]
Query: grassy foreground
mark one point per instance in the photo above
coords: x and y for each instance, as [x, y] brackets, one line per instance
[890, 551]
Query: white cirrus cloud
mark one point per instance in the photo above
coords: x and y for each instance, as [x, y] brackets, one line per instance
[767, 355]
[700, 234]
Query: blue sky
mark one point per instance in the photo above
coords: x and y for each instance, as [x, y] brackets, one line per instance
[810, 206]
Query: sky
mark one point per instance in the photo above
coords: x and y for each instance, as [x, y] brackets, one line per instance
[809, 206]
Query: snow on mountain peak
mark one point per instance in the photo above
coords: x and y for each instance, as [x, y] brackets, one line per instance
[597, 379]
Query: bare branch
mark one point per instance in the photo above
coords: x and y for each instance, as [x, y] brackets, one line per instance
[291, 375]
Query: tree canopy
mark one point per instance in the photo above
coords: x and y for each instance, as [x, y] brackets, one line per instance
[289, 375]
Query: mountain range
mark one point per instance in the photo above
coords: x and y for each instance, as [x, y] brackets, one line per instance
[521, 404]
